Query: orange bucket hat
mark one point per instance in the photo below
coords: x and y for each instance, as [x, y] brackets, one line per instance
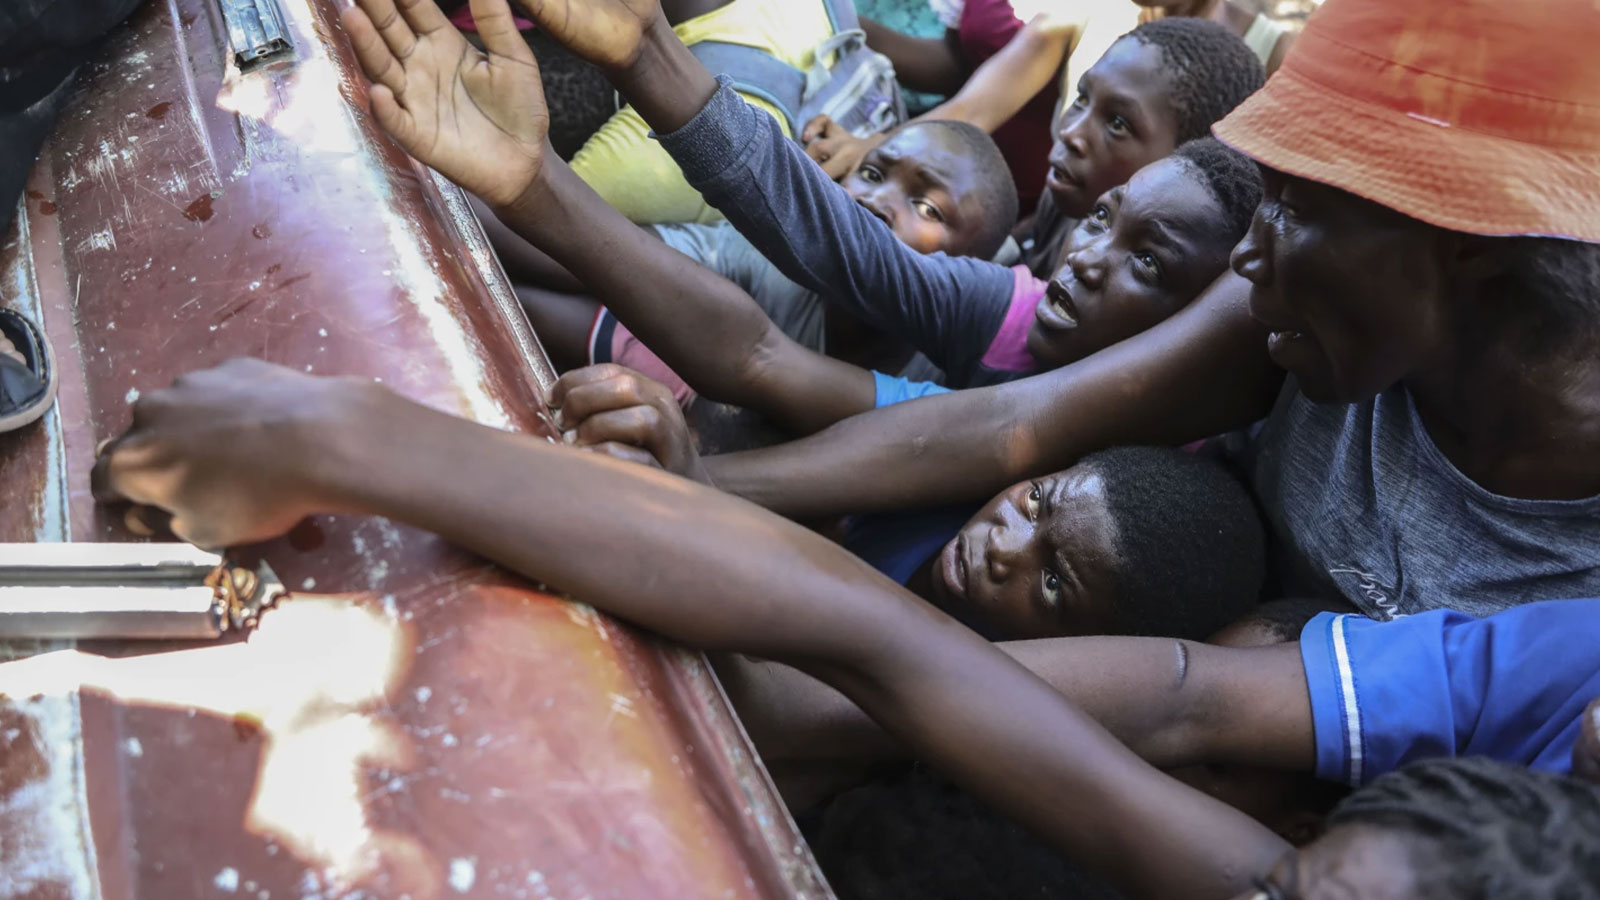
[1480, 116]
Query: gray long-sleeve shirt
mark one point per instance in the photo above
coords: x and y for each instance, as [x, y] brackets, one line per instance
[949, 307]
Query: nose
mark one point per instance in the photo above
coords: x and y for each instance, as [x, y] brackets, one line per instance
[1088, 262]
[1251, 259]
[877, 202]
[1073, 130]
[1006, 547]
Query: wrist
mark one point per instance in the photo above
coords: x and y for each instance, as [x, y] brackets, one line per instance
[665, 83]
[346, 438]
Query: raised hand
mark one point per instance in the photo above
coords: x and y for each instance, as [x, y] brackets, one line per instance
[618, 412]
[479, 118]
[836, 150]
[608, 33]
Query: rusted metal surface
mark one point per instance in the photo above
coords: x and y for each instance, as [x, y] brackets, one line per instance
[411, 722]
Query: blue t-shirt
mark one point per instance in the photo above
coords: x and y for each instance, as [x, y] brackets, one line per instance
[1512, 687]
[897, 544]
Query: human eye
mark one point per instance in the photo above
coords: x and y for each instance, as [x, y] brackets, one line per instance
[927, 210]
[1148, 264]
[1035, 500]
[1099, 217]
[1118, 125]
[870, 173]
[1050, 588]
[1081, 100]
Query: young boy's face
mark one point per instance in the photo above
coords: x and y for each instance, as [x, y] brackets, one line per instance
[1121, 121]
[1038, 561]
[923, 187]
[1141, 253]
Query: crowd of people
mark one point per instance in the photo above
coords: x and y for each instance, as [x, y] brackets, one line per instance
[1185, 441]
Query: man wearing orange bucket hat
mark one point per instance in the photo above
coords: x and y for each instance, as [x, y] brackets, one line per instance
[1449, 363]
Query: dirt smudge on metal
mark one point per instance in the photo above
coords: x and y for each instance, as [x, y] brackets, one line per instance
[199, 210]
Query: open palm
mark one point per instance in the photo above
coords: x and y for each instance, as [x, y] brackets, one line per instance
[479, 118]
[607, 33]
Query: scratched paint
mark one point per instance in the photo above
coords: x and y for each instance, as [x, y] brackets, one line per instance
[42, 816]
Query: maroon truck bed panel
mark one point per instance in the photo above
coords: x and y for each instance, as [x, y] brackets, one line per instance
[412, 722]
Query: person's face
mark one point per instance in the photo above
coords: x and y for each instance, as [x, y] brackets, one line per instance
[1356, 295]
[1357, 860]
[1038, 561]
[1143, 251]
[1121, 121]
[923, 188]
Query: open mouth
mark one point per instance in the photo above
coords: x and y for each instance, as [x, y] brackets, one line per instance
[1057, 310]
[1060, 175]
[954, 566]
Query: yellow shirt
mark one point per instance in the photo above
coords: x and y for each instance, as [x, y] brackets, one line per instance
[633, 173]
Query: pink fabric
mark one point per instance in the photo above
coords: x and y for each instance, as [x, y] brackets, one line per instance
[462, 19]
[627, 350]
[1008, 352]
[1025, 140]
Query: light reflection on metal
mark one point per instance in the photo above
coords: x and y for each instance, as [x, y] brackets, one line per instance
[255, 29]
[140, 591]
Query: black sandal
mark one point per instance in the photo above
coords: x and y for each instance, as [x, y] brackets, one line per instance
[26, 388]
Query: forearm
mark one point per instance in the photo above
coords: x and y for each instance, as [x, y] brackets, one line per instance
[1005, 83]
[933, 65]
[1200, 373]
[1169, 701]
[702, 325]
[810, 228]
[524, 263]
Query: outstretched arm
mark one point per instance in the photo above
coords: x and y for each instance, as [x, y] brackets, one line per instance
[1002, 86]
[1174, 703]
[427, 93]
[740, 161]
[1200, 373]
[703, 568]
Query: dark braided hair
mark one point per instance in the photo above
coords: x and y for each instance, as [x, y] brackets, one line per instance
[1191, 550]
[1210, 68]
[1494, 831]
[994, 188]
[1232, 178]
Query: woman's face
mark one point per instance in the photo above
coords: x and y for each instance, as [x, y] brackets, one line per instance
[1038, 561]
[1145, 250]
[1356, 860]
[1356, 295]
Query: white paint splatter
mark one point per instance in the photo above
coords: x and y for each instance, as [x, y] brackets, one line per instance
[132, 395]
[449, 740]
[133, 747]
[308, 584]
[227, 879]
[423, 693]
[463, 872]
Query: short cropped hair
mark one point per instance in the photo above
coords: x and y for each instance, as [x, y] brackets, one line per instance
[1492, 829]
[1232, 178]
[1550, 290]
[1210, 68]
[1191, 549]
[995, 189]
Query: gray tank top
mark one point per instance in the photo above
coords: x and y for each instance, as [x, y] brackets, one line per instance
[1363, 506]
